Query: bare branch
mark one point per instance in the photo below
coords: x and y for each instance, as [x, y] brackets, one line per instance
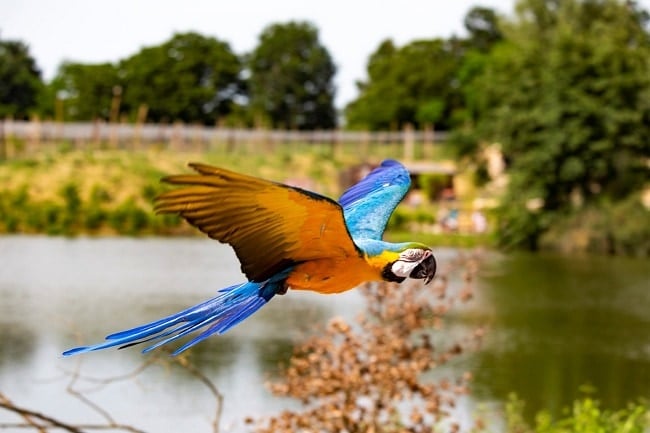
[184, 363]
[7, 404]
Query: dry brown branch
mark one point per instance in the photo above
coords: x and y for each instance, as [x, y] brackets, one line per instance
[30, 415]
[156, 358]
[110, 421]
[102, 381]
[43, 423]
[367, 376]
[40, 422]
[184, 363]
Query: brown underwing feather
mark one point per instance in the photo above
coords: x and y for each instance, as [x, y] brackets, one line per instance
[269, 225]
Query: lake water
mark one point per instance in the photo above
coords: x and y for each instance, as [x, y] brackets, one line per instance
[554, 324]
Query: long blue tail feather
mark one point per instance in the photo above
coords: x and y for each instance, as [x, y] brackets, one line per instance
[230, 307]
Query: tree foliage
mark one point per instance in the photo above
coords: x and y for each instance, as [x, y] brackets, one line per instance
[20, 80]
[291, 75]
[412, 84]
[568, 96]
[423, 82]
[85, 90]
[192, 78]
[482, 24]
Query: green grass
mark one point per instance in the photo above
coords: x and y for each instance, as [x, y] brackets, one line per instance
[456, 240]
[585, 416]
[110, 192]
[67, 192]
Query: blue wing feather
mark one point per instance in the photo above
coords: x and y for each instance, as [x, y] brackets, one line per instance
[368, 205]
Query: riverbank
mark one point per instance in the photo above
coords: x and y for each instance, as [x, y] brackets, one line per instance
[110, 192]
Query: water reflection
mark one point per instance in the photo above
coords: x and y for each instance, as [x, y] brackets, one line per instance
[558, 323]
[18, 344]
[554, 325]
[57, 293]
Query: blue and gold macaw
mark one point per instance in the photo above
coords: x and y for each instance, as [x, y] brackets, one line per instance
[285, 238]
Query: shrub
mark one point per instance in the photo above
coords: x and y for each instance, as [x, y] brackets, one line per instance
[94, 218]
[52, 218]
[585, 416]
[603, 228]
[433, 184]
[370, 376]
[117, 219]
[128, 218]
[630, 231]
[98, 195]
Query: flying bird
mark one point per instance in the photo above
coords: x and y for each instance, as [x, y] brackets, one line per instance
[285, 238]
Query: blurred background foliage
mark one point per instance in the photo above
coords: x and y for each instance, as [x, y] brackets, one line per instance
[562, 87]
[291, 79]
[585, 416]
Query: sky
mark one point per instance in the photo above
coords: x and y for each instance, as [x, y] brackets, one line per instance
[91, 31]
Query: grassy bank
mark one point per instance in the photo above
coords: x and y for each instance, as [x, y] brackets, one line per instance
[456, 240]
[585, 416]
[110, 192]
[608, 227]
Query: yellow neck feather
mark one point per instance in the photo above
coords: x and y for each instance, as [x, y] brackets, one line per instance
[379, 262]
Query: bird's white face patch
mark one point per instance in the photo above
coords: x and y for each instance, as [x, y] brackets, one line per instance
[408, 260]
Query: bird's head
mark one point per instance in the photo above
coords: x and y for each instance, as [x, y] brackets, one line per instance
[415, 262]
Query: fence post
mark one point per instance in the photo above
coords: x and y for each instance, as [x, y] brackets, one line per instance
[365, 144]
[59, 118]
[140, 119]
[337, 144]
[409, 142]
[3, 149]
[196, 132]
[114, 115]
[258, 139]
[214, 142]
[429, 138]
[95, 135]
[176, 138]
[34, 140]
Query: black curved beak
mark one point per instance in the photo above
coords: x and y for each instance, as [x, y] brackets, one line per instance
[426, 270]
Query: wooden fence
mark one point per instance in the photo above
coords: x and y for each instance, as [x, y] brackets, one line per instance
[27, 137]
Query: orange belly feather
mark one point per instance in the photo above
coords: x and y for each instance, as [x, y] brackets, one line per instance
[332, 275]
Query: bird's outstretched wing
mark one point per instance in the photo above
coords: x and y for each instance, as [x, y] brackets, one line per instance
[270, 226]
[368, 205]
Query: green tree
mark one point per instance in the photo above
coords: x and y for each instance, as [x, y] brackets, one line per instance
[568, 96]
[484, 32]
[366, 111]
[192, 78]
[482, 24]
[20, 80]
[412, 84]
[86, 91]
[291, 75]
